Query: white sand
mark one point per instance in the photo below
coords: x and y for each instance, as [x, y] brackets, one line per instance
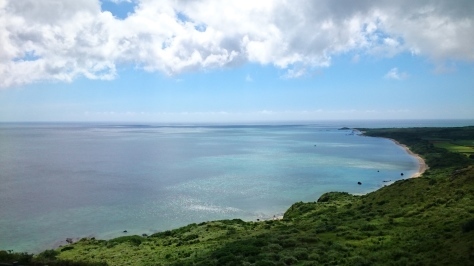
[422, 166]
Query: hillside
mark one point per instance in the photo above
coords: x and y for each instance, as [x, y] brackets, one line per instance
[421, 221]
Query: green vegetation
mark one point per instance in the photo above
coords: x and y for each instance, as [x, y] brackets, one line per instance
[451, 142]
[47, 257]
[454, 147]
[422, 221]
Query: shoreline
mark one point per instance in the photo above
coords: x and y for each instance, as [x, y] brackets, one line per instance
[422, 166]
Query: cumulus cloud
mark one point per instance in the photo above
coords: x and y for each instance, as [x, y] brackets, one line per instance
[60, 40]
[394, 73]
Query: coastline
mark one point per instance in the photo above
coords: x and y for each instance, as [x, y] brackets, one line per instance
[422, 166]
[312, 226]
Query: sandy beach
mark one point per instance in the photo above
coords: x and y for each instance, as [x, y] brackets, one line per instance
[422, 166]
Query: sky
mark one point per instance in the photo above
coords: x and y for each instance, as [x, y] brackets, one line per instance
[189, 61]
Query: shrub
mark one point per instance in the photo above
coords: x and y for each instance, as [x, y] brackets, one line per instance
[67, 248]
[228, 259]
[289, 260]
[134, 240]
[368, 227]
[358, 261]
[301, 253]
[49, 254]
[4, 256]
[190, 237]
[308, 239]
[288, 243]
[468, 226]
[273, 247]
[264, 263]
[22, 258]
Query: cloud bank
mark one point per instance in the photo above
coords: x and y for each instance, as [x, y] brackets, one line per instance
[57, 40]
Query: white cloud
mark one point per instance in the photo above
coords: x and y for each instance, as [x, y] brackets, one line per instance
[395, 74]
[60, 40]
[294, 73]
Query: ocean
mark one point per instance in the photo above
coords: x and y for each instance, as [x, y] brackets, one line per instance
[74, 180]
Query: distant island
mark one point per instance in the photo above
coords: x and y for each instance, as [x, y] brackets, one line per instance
[427, 220]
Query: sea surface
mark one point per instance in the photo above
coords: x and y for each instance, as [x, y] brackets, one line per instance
[74, 180]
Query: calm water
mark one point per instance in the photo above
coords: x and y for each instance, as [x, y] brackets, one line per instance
[76, 180]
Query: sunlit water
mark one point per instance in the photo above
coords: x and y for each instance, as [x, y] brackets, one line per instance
[77, 180]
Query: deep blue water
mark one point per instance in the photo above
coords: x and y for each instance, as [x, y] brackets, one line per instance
[76, 180]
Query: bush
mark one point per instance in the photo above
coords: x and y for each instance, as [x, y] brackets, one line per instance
[134, 240]
[359, 261]
[190, 237]
[67, 248]
[264, 263]
[228, 259]
[301, 253]
[273, 247]
[468, 226]
[289, 260]
[22, 258]
[368, 227]
[4, 256]
[49, 254]
[288, 243]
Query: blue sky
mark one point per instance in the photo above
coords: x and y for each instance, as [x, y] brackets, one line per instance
[235, 61]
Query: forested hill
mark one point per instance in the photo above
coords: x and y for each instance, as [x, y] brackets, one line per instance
[419, 221]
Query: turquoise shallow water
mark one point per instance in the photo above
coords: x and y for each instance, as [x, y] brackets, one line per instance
[77, 180]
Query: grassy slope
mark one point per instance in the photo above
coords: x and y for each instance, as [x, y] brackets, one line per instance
[423, 221]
